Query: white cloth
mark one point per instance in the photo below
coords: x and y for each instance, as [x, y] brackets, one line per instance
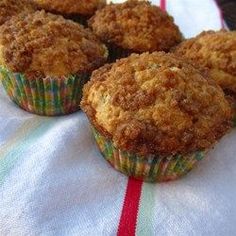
[53, 180]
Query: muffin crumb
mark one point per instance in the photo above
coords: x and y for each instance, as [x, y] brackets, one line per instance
[82, 7]
[156, 104]
[215, 50]
[137, 26]
[9, 8]
[48, 45]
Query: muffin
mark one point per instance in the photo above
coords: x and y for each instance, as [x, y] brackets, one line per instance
[154, 116]
[217, 52]
[134, 26]
[9, 8]
[45, 60]
[76, 10]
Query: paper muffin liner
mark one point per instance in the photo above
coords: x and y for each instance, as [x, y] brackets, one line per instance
[44, 96]
[116, 52]
[151, 168]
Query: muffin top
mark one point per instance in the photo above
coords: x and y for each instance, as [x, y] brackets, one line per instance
[137, 26]
[156, 104]
[9, 8]
[216, 51]
[43, 44]
[82, 7]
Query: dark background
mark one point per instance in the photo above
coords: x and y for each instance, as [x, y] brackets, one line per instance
[228, 8]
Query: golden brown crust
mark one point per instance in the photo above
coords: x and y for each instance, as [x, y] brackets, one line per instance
[82, 7]
[217, 52]
[138, 26]
[44, 44]
[156, 103]
[9, 8]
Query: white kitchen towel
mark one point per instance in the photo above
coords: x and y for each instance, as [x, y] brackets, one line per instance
[54, 181]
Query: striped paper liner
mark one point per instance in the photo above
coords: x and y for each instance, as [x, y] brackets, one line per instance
[44, 96]
[151, 168]
[146, 222]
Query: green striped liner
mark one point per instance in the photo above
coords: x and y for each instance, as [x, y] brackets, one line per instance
[44, 96]
[151, 168]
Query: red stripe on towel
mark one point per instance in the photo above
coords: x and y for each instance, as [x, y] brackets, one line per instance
[128, 220]
[163, 5]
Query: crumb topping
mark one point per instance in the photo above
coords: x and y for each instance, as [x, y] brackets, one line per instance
[156, 104]
[9, 8]
[82, 7]
[45, 44]
[217, 52]
[136, 25]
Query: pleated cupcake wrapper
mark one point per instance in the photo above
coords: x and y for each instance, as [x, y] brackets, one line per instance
[44, 96]
[151, 168]
[116, 52]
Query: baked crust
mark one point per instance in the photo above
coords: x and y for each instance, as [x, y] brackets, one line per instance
[156, 104]
[217, 52]
[9, 8]
[82, 7]
[43, 44]
[136, 25]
